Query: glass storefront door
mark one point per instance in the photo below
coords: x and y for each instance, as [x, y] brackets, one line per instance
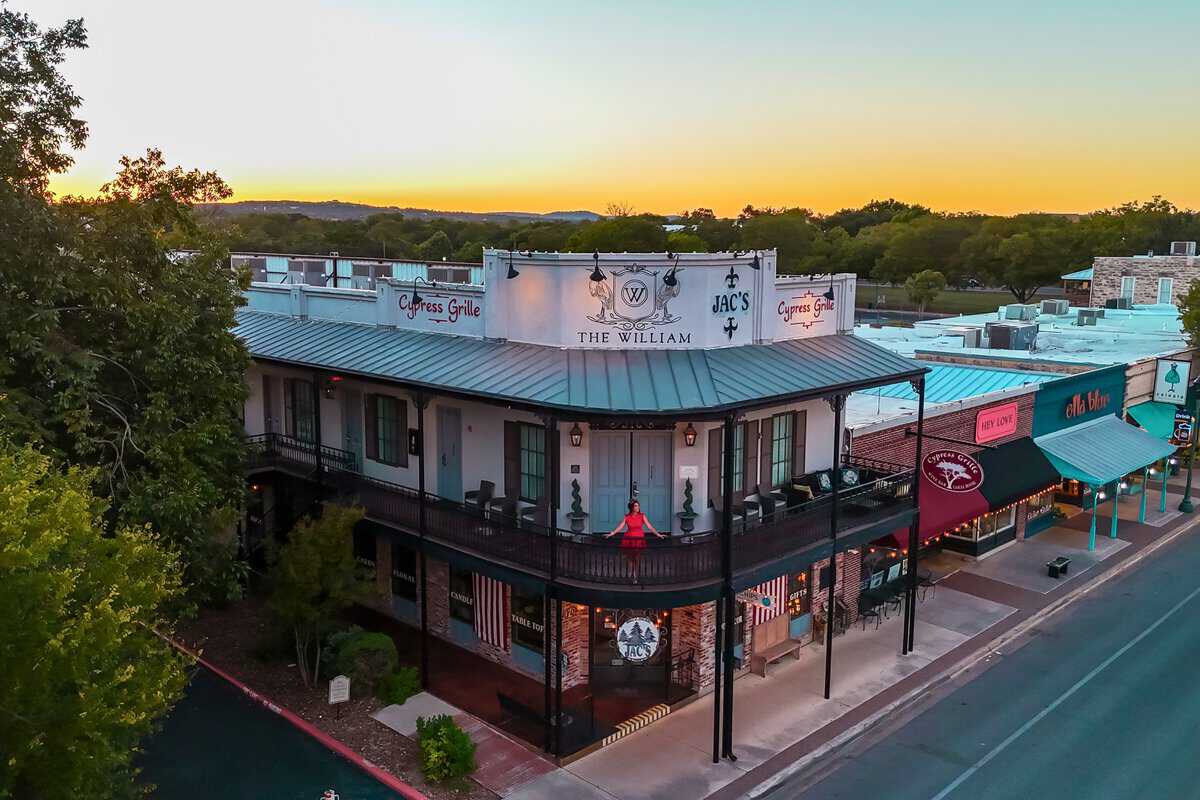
[631, 647]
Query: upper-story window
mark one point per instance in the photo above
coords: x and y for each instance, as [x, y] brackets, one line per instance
[785, 456]
[299, 410]
[387, 426]
[1165, 289]
[744, 437]
[524, 461]
[1128, 286]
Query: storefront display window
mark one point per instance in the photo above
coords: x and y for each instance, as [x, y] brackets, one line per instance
[1040, 505]
[799, 602]
[364, 550]
[986, 526]
[462, 596]
[404, 572]
[527, 614]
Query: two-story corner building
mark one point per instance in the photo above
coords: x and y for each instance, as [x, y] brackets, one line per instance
[1128, 281]
[496, 432]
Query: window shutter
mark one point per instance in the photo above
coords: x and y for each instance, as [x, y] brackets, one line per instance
[714, 465]
[764, 452]
[401, 432]
[512, 459]
[750, 458]
[799, 435]
[372, 425]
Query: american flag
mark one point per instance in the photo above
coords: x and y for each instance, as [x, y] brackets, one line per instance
[491, 614]
[776, 589]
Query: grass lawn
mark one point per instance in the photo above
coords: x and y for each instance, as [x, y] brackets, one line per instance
[948, 302]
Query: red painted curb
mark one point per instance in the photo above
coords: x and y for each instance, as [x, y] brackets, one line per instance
[386, 778]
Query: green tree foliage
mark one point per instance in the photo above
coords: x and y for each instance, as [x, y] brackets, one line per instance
[876, 212]
[1189, 311]
[686, 242]
[801, 244]
[630, 234]
[924, 287]
[437, 247]
[103, 324]
[366, 658]
[931, 241]
[315, 578]
[84, 676]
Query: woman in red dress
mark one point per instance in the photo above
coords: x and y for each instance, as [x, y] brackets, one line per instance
[634, 540]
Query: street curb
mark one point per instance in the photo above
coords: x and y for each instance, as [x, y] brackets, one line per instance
[969, 662]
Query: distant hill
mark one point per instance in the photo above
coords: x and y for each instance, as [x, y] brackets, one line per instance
[337, 210]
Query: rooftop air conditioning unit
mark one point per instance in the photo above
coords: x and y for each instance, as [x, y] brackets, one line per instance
[1085, 316]
[1118, 302]
[1183, 249]
[1021, 313]
[1055, 306]
[256, 264]
[972, 337]
[999, 335]
[1023, 337]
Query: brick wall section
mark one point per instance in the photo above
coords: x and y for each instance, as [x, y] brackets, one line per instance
[1078, 293]
[1107, 273]
[696, 629]
[438, 587]
[847, 586]
[575, 644]
[892, 445]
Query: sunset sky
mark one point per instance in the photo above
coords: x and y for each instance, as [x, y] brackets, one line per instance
[541, 106]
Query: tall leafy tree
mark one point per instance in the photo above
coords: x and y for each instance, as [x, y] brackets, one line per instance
[117, 352]
[85, 678]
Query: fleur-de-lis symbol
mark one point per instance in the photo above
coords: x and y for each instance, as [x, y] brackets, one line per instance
[732, 278]
[730, 327]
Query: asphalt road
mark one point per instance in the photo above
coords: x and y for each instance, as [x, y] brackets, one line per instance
[1102, 701]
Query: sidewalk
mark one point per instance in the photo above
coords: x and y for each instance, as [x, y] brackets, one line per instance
[781, 718]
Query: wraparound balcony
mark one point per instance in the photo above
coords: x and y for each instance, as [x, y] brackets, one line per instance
[691, 561]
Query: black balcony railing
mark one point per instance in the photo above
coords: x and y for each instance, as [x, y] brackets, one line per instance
[588, 558]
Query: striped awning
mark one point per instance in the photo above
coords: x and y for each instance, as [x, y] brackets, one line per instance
[491, 612]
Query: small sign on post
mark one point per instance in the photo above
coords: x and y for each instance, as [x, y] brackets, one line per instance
[339, 692]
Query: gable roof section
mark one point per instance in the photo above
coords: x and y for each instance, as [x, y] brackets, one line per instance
[590, 381]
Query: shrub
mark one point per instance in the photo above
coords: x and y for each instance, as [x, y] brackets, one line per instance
[366, 658]
[446, 750]
[333, 646]
[400, 685]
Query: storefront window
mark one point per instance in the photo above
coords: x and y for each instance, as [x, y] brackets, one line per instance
[527, 614]
[1040, 505]
[606, 623]
[364, 549]
[462, 596]
[799, 602]
[986, 526]
[404, 572]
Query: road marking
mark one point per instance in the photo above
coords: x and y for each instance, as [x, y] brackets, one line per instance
[998, 749]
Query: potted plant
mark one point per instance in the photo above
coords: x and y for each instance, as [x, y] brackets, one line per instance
[577, 514]
[687, 517]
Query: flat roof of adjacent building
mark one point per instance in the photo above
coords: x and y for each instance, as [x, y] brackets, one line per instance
[1122, 336]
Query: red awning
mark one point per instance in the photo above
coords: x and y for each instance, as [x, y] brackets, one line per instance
[942, 509]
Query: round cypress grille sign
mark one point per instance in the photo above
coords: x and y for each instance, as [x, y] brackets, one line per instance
[952, 471]
[637, 639]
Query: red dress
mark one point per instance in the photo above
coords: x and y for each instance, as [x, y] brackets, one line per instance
[635, 537]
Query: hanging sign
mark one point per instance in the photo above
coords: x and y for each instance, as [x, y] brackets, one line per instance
[1182, 434]
[1171, 381]
[995, 423]
[339, 690]
[637, 639]
[952, 471]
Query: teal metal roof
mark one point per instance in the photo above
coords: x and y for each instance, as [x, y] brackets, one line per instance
[595, 381]
[1102, 450]
[1079, 275]
[946, 383]
[1157, 418]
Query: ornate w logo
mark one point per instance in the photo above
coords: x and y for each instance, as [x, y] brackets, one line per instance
[634, 293]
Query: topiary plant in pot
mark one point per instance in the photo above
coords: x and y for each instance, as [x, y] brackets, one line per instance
[687, 517]
[577, 515]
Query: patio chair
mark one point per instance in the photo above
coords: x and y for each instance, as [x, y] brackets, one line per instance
[926, 582]
[479, 498]
[503, 509]
[868, 609]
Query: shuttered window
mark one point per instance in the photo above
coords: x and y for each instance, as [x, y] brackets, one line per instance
[387, 429]
[524, 461]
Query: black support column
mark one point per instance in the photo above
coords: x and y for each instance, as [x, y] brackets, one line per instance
[316, 401]
[421, 401]
[910, 604]
[552, 694]
[718, 650]
[838, 403]
[727, 584]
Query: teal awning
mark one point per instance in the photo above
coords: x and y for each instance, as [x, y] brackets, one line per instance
[1079, 275]
[1157, 418]
[1102, 450]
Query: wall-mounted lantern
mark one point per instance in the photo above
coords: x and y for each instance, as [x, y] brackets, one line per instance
[576, 435]
[689, 435]
[331, 384]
